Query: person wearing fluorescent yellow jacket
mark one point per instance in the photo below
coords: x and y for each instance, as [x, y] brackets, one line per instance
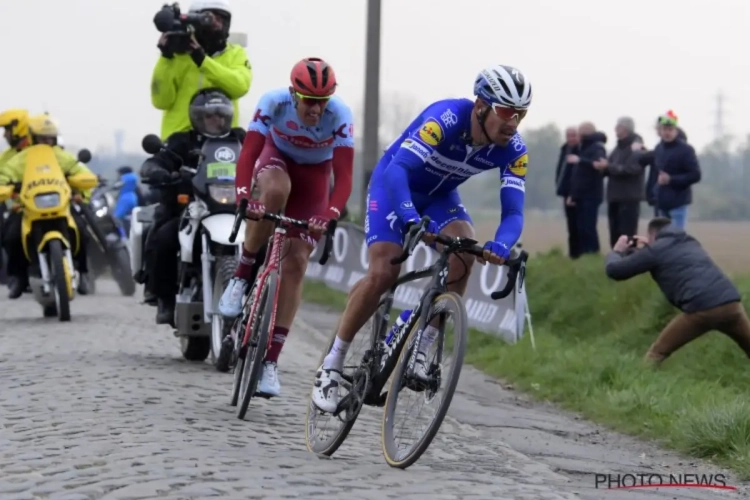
[16, 125]
[211, 62]
[43, 130]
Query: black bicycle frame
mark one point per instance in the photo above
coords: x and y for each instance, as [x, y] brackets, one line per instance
[382, 360]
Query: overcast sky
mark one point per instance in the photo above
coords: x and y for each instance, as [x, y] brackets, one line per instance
[89, 62]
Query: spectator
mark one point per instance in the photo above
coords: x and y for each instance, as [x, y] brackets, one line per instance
[690, 281]
[674, 169]
[562, 180]
[211, 62]
[625, 186]
[587, 186]
[127, 199]
[647, 160]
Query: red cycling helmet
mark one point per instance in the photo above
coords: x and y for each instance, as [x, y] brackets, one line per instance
[313, 77]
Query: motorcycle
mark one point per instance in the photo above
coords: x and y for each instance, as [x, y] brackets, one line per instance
[49, 234]
[107, 246]
[207, 258]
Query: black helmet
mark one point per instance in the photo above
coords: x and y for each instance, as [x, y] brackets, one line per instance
[124, 170]
[211, 113]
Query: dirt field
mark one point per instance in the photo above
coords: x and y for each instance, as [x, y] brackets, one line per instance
[727, 242]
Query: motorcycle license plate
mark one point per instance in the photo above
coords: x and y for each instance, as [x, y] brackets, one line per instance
[221, 170]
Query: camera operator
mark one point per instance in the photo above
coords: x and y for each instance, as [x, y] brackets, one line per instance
[195, 55]
[689, 279]
[211, 114]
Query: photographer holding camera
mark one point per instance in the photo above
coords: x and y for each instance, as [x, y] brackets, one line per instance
[195, 55]
[690, 281]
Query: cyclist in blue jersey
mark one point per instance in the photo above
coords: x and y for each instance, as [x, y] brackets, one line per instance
[297, 137]
[450, 141]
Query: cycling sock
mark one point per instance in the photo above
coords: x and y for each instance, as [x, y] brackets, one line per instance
[245, 268]
[335, 358]
[428, 337]
[277, 343]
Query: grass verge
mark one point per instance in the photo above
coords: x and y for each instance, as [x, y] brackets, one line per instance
[588, 359]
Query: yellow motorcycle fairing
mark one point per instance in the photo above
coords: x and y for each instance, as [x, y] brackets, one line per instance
[45, 198]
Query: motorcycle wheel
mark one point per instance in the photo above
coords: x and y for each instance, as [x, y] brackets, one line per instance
[195, 348]
[119, 261]
[220, 328]
[61, 276]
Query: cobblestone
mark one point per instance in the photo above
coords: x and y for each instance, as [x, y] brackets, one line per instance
[104, 407]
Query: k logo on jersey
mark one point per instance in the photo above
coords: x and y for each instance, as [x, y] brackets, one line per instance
[431, 133]
[519, 166]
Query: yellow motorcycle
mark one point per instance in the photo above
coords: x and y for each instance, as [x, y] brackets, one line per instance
[49, 233]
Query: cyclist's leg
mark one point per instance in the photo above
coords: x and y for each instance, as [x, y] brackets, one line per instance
[454, 221]
[383, 233]
[274, 186]
[308, 197]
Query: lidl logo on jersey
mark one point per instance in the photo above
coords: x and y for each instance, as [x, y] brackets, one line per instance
[431, 133]
[519, 166]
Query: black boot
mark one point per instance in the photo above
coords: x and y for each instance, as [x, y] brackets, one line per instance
[16, 286]
[83, 284]
[165, 312]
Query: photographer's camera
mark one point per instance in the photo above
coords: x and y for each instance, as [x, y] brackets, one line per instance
[179, 27]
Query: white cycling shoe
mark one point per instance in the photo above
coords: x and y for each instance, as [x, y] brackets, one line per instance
[230, 304]
[325, 393]
[269, 385]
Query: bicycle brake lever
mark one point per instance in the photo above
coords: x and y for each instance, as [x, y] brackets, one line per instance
[330, 234]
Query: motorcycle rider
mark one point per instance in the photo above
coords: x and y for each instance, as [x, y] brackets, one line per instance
[127, 199]
[211, 114]
[211, 63]
[42, 130]
[16, 133]
[16, 125]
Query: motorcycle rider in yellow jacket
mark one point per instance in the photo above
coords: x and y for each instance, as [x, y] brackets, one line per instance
[16, 125]
[211, 62]
[43, 130]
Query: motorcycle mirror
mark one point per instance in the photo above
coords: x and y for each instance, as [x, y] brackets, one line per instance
[151, 144]
[84, 156]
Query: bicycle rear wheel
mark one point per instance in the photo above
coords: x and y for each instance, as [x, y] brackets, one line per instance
[255, 354]
[447, 306]
[326, 432]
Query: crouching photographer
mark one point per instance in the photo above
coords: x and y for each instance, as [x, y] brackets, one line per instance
[195, 55]
[689, 279]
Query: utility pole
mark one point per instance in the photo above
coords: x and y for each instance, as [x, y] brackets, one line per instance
[719, 117]
[371, 140]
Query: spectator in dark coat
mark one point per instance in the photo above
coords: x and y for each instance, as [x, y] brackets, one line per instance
[674, 169]
[587, 185]
[625, 186]
[689, 279]
[562, 181]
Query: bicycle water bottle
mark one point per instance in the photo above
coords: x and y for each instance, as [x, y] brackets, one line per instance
[400, 322]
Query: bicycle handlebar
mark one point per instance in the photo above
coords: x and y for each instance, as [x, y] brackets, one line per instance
[241, 214]
[418, 230]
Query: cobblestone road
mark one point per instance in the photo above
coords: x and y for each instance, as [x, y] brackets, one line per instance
[105, 408]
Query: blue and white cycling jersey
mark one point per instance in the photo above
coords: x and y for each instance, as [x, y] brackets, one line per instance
[421, 170]
[277, 116]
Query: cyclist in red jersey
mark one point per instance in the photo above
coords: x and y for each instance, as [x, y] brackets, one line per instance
[297, 137]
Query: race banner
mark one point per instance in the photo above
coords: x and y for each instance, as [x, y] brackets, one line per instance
[505, 318]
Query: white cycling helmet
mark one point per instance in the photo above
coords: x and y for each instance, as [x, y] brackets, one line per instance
[201, 5]
[503, 85]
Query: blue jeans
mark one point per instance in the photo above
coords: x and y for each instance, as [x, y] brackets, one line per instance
[678, 216]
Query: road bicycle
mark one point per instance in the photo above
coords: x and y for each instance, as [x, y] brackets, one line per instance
[365, 375]
[251, 331]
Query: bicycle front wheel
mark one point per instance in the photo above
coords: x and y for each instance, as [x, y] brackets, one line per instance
[404, 438]
[255, 354]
